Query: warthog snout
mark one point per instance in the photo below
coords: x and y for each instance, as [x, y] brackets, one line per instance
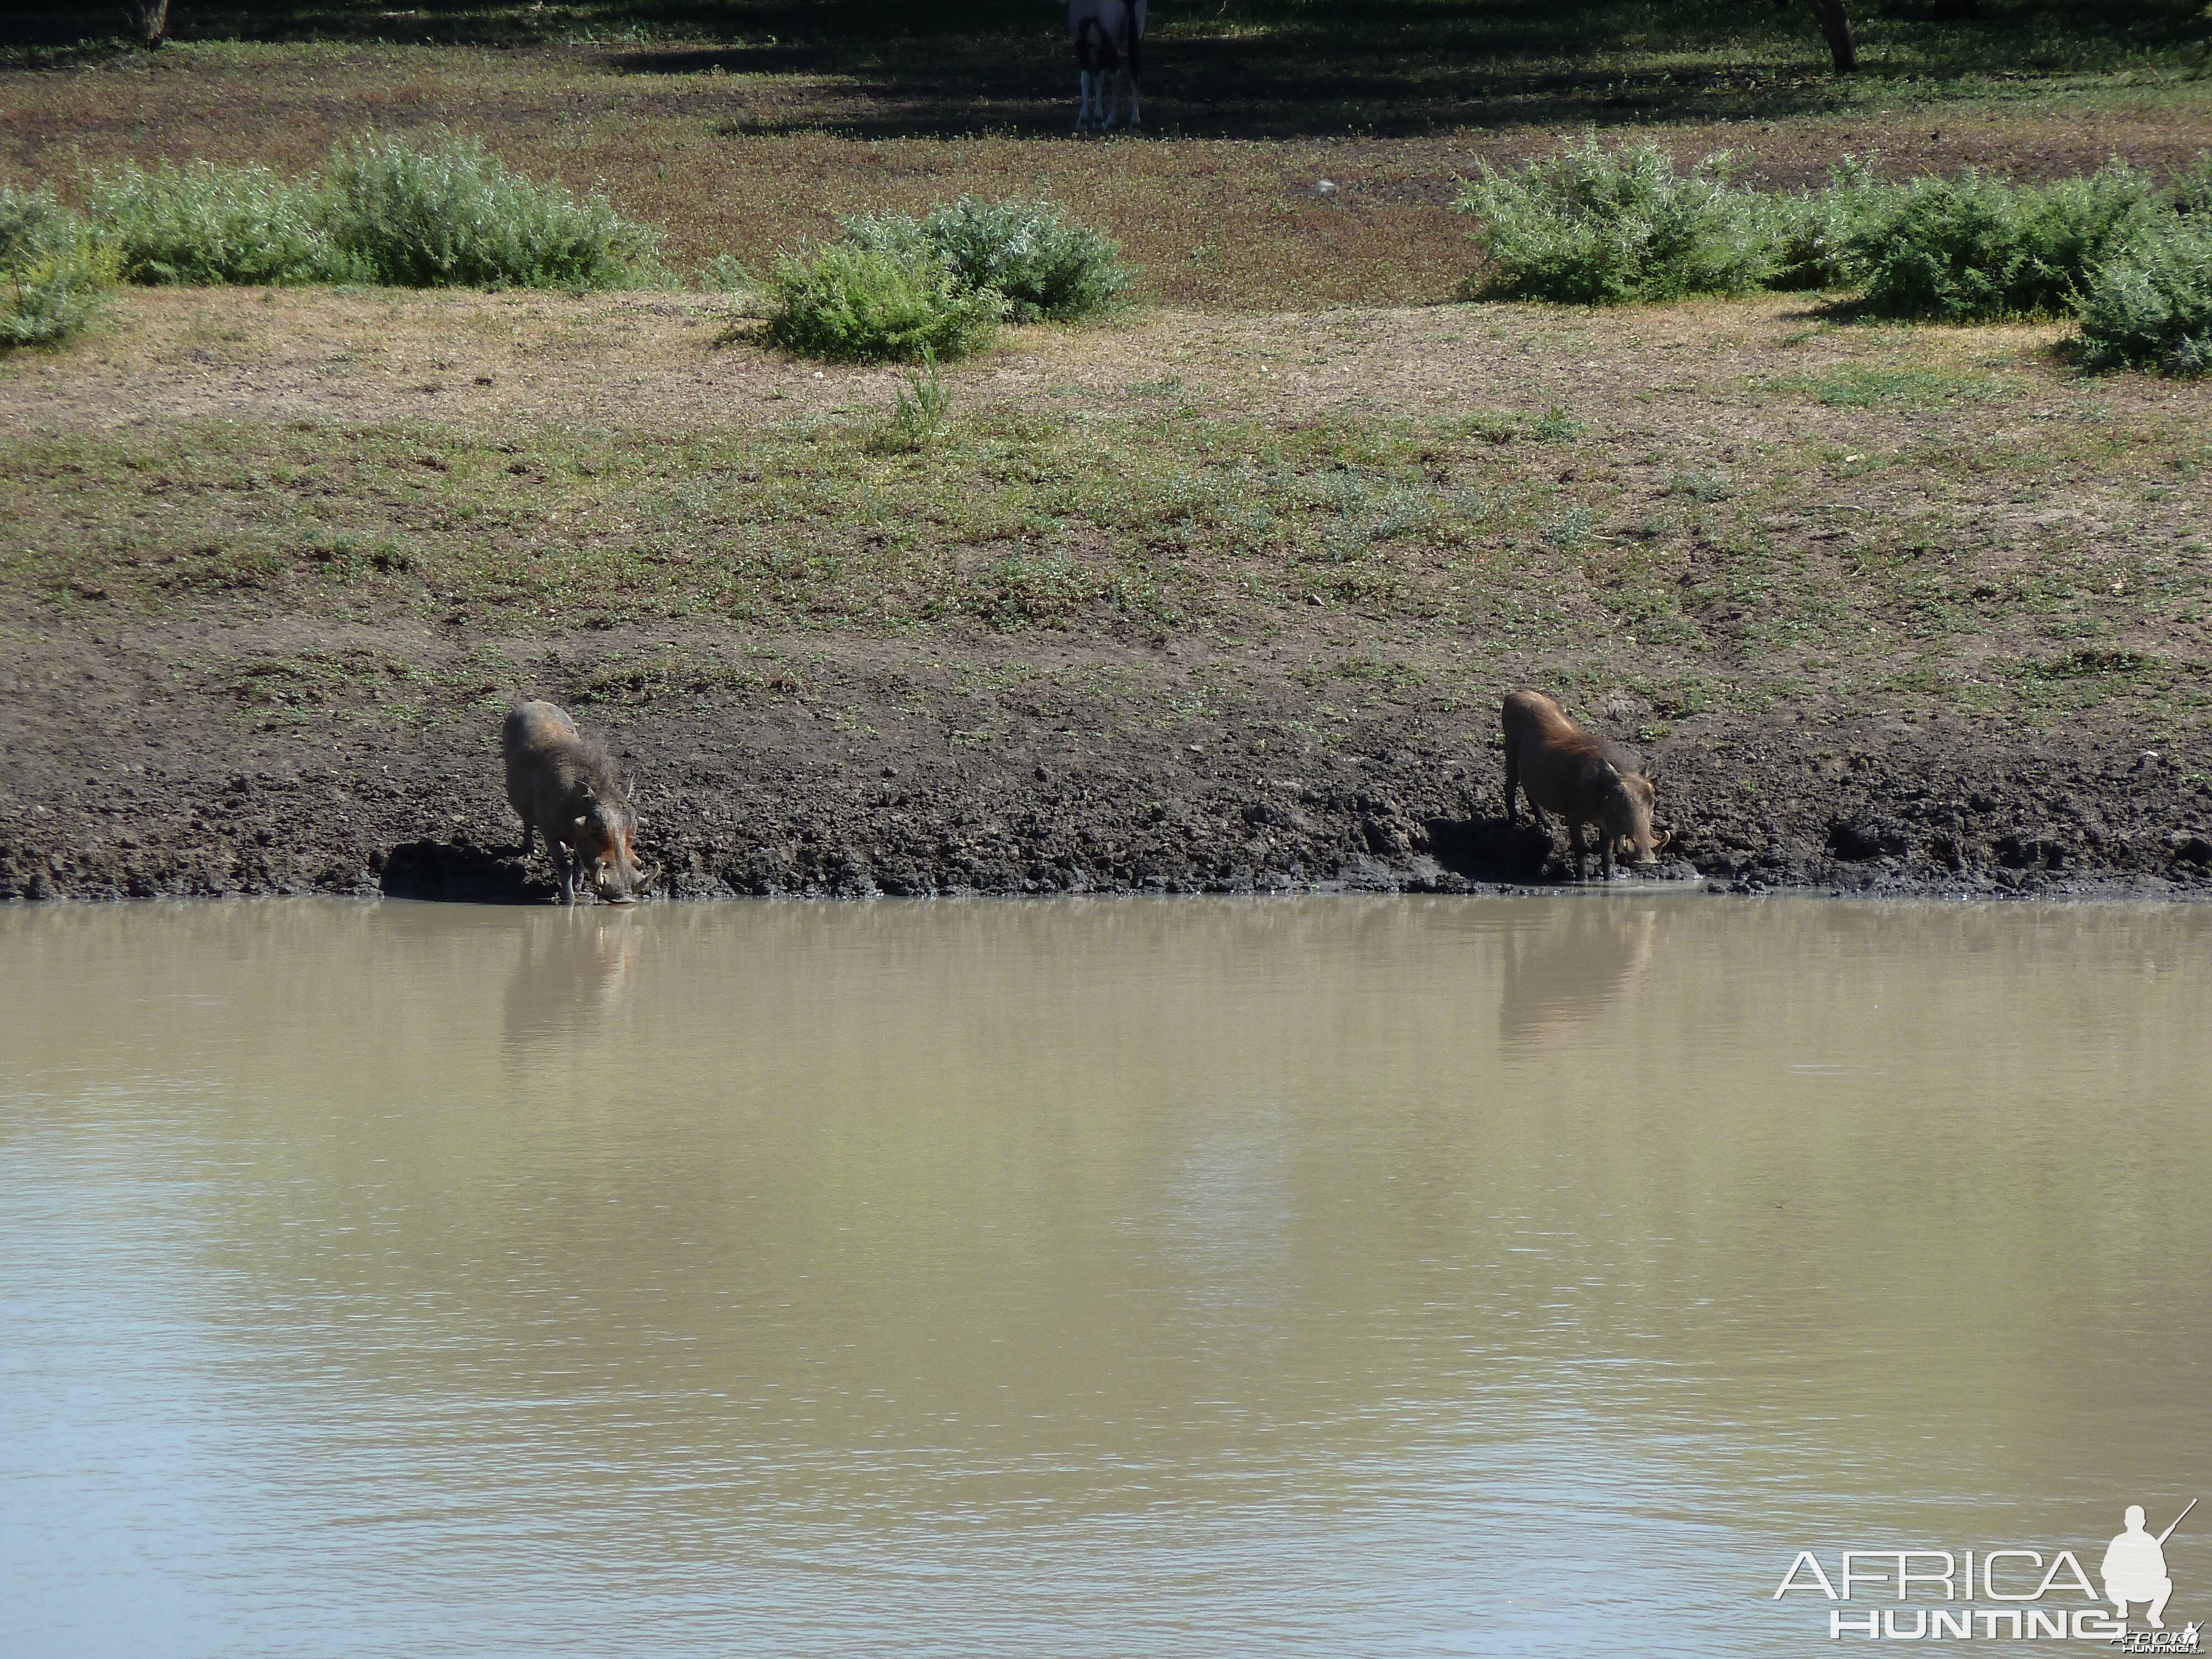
[605, 835]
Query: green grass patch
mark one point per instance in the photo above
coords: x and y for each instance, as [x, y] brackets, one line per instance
[1857, 387]
[1093, 523]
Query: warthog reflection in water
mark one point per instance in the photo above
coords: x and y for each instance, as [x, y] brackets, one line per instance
[1582, 958]
[566, 787]
[571, 986]
[1580, 776]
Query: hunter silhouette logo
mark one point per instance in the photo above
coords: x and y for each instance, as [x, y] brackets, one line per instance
[2135, 1567]
[2028, 1593]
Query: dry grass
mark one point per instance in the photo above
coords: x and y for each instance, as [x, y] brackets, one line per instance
[1732, 502]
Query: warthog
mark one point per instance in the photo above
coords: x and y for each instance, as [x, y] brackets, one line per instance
[1580, 776]
[565, 786]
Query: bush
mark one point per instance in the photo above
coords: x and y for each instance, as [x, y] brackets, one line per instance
[897, 236]
[1975, 246]
[854, 301]
[28, 218]
[2151, 303]
[202, 223]
[1043, 267]
[1814, 233]
[2190, 192]
[1598, 227]
[385, 214]
[54, 271]
[456, 216]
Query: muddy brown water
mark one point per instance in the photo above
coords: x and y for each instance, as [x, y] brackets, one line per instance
[1334, 1276]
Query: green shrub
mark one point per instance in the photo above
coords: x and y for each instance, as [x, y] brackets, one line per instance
[456, 216]
[1598, 227]
[2151, 303]
[28, 219]
[2190, 192]
[1814, 233]
[1976, 246]
[384, 213]
[54, 269]
[897, 236]
[202, 223]
[854, 301]
[1044, 267]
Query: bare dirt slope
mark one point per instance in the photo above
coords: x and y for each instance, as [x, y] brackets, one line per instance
[979, 764]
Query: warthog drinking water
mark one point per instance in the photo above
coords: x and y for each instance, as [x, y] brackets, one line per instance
[565, 786]
[1580, 776]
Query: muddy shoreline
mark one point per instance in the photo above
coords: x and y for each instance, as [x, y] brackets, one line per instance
[136, 769]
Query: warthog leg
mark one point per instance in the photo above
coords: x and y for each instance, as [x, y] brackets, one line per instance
[529, 831]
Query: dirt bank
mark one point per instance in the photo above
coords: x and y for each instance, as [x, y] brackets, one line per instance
[985, 765]
[1184, 602]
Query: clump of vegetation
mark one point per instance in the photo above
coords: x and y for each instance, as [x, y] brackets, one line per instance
[1975, 246]
[1044, 267]
[29, 218]
[1593, 227]
[453, 215]
[2190, 190]
[1816, 234]
[54, 271]
[456, 216]
[868, 304]
[920, 411]
[202, 223]
[2151, 304]
[1596, 228]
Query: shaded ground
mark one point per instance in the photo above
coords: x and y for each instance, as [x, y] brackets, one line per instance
[1240, 68]
[1184, 601]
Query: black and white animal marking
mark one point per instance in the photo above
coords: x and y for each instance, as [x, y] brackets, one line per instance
[1109, 43]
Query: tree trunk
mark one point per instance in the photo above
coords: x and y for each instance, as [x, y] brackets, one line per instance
[1837, 26]
[149, 21]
